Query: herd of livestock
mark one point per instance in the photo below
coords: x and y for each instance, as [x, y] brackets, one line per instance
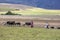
[31, 24]
[18, 23]
[30, 21]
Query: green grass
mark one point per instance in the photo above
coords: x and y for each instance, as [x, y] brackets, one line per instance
[6, 9]
[25, 33]
[33, 11]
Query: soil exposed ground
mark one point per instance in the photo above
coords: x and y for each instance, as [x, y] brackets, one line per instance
[53, 20]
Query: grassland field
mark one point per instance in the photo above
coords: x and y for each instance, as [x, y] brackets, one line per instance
[26, 33]
[32, 11]
[26, 10]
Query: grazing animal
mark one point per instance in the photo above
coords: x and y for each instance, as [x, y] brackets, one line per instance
[29, 24]
[58, 27]
[18, 23]
[10, 22]
[52, 27]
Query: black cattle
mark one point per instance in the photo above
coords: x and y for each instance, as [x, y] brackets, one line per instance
[18, 23]
[52, 27]
[10, 22]
[27, 23]
[58, 27]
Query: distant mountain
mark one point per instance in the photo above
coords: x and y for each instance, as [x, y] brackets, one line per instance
[47, 4]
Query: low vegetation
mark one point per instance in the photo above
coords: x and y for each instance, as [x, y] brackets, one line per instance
[10, 13]
[25, 33]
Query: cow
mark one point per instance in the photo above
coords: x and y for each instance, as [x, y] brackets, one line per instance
[52, 27]
[17, 23]
[29, 24]
[10, 22]
[58, 27]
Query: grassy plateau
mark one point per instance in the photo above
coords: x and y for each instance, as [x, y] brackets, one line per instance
[25, 33]
[26, 10]
[34, 11]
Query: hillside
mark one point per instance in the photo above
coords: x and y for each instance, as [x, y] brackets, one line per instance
[47, 4]
[26, 10]
[7, 6]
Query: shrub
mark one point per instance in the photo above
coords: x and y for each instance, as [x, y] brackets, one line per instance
[10, 13]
